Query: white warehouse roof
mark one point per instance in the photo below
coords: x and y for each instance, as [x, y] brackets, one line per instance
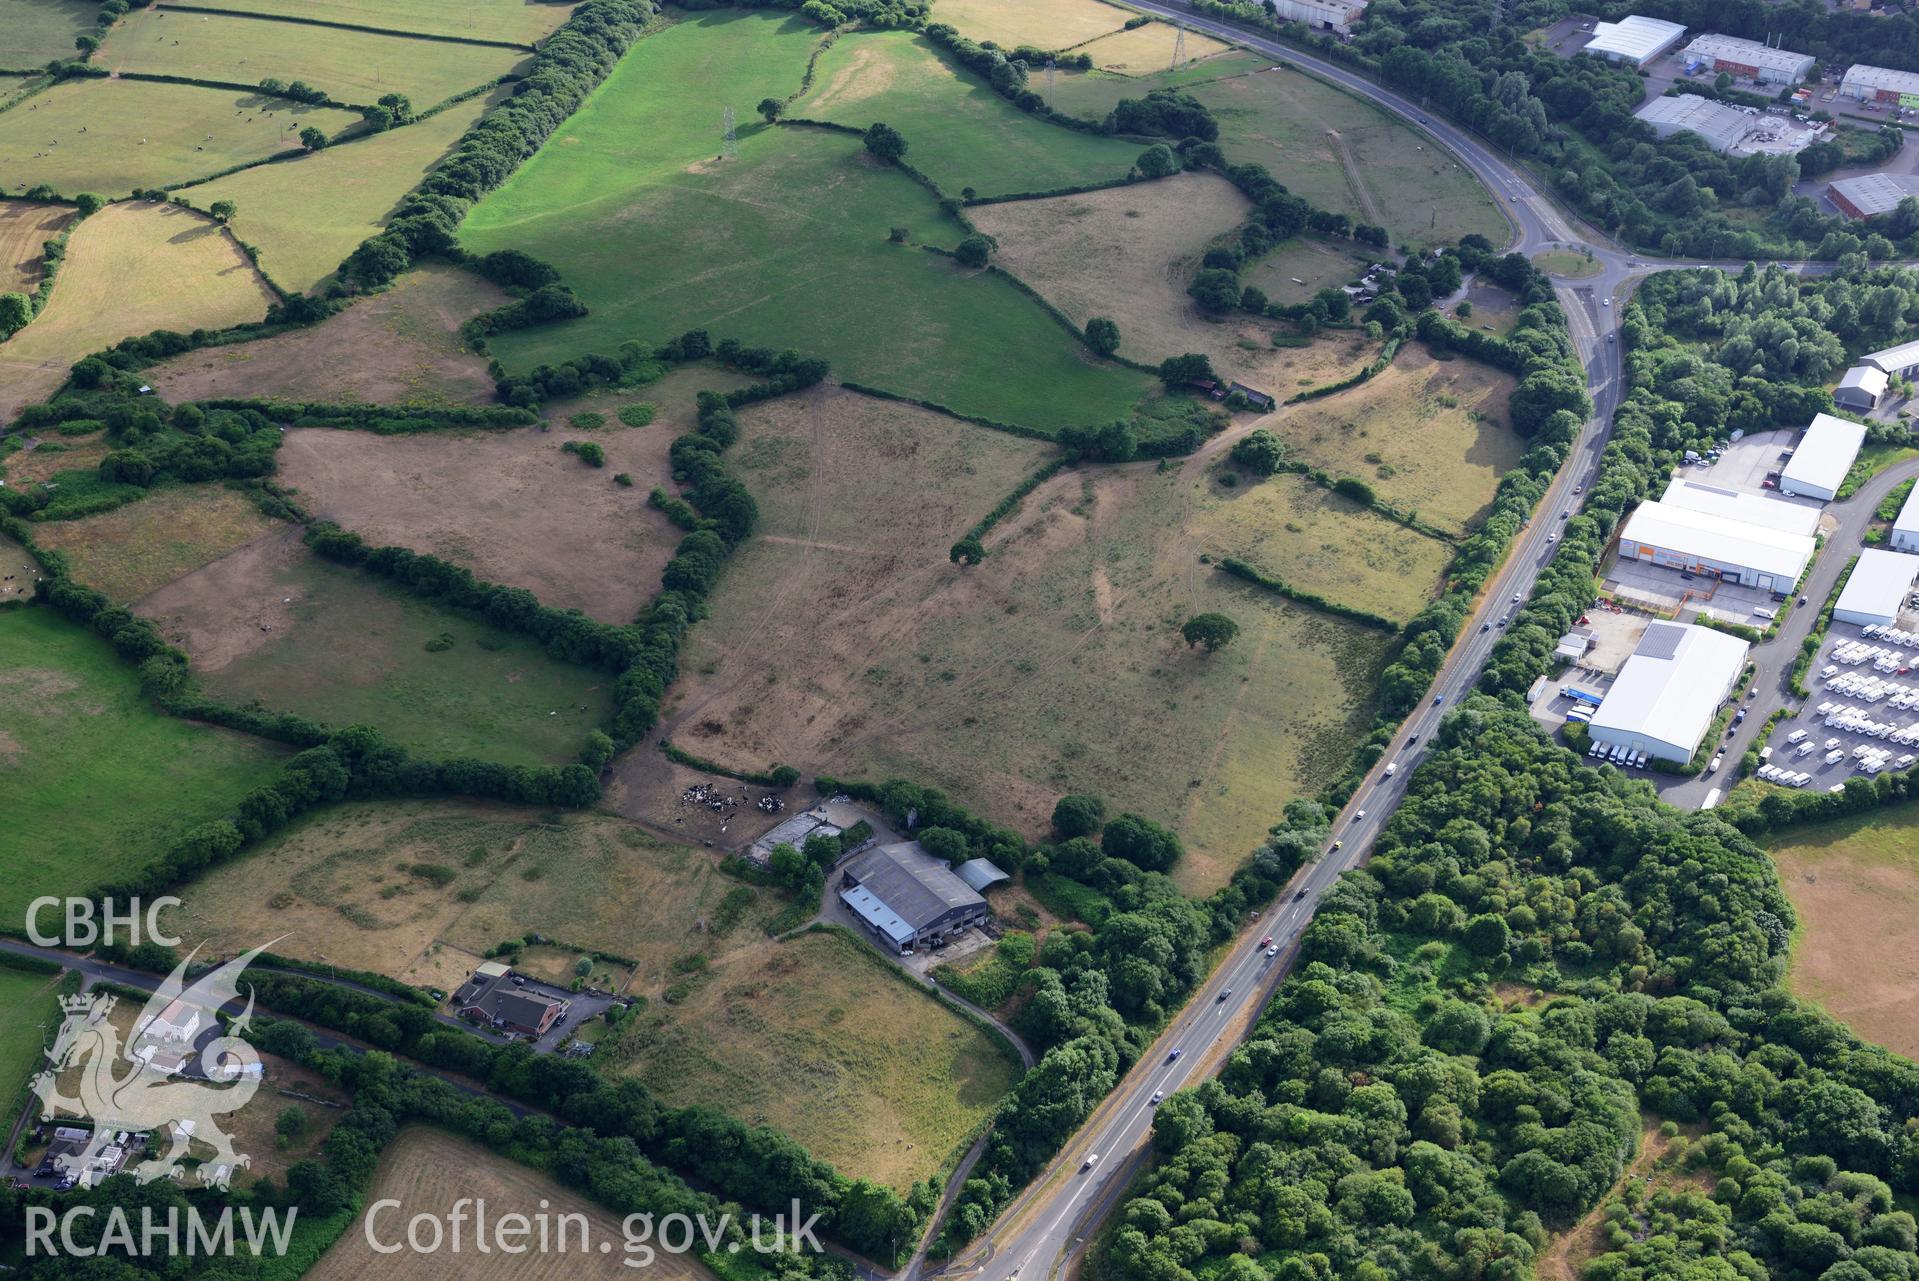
[1634, 38]
[1861, 77]
[1721, 126]
[1750, 53]
[1672, 684]
[1751, 509]
[1824, 456]
[1907, 522]
[1893, 359]
[1877, 588]
[1867, 378]
[1706, 537]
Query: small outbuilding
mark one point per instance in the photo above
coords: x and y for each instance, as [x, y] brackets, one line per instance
[1905, 526]
[981, 874]
[1877, 588]
[1861, 388]
[1823, 457]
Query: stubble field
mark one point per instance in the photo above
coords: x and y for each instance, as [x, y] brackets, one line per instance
[140, 548]
[24, 228]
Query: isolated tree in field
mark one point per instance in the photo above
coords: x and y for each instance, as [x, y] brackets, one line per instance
[1102, 335]
[770, 109]
[886, 142]
[974, 251]
[1215, 289]
[291, 1123]
[398, 105]
[1214, 631]
[1157, 161]
[597, 750]
[587, 451]
[1260, 453]
[312, 139]
[16, 309]
[1078, 816]
[222, 210]
[967, 551]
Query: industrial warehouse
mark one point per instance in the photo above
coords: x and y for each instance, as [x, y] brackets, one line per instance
[1761, 551]
[1759, 63]
[1732, 131]
[905, 896]
[1875, 593]
[1822, 458]
[1871, 195]
[1664, 699]
[1881, 85]
[1905, 526]
[1633, 39]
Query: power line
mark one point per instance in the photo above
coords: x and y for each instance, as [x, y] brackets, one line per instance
[730, 142]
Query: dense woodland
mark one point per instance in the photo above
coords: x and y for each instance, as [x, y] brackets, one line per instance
[1396, 1115]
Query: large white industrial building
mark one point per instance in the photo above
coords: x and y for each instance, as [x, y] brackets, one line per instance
[1666, 694]
[1823, 457]
[1634, 39]
[1767, 556]
[1881, 85]
[1876, 590]
[1749, 58]
[1738, 505]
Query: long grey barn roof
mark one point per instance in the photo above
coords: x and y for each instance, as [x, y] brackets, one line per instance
[916, 886]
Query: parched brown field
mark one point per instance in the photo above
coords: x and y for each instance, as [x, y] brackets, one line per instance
[24, 228]
[1855, 885]
[1147, 49]
[820, 1039]
[140, 548]
[130, 269]
[399, 347]
[428, 1171]
[509, 505]
[1128, 253]
[1426, 434]
[1313, 539]
[1040, 672]
[1056, 24]
[54, 454]
[1298, 269]
[341, 886]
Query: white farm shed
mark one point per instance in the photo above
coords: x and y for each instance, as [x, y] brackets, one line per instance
[1876, 591]
[1666, 694]
[1861, 388]
[1823, 457]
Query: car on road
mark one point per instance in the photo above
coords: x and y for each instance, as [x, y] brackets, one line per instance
[1411, 739]
[1267, 941]
[1157, 1096]
[1579, 489]
[1358, 814]
[1802, 602]
[1392, 768]
[1174, 1056]
[1517, 597]
[1271, 952]
[1606, 303]
[1566, 514]
[1438, 699]
[1221, 998]
[1717, 759]
[1091, 1161]
[1485, 627]
[1552, 538]
[1302, 893]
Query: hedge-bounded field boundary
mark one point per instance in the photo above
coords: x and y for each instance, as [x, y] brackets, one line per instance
[297, 20]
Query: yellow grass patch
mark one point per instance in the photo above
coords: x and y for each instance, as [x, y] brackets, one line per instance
[429, 1171]
[24, 228]
[1148, 48]
[820, 1039]
[1055, 24]
[521, 20]
[130, 269]
[306, 215]
[143, 546]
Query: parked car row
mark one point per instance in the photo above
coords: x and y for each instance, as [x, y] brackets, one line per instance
[1619, 755]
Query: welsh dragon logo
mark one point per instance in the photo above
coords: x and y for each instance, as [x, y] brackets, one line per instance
[174, 1076]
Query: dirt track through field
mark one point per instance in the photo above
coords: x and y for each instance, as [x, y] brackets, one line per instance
[1362, 191]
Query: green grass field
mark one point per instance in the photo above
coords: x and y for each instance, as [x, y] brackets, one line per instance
[352, 66]
[35, 32]
[306, 215]
[816, 1038]
[111, 136]
[1333, 149]
[139, 548]
[786, 246]
[29, 1007]
[523, 21]
[97, 784]
[1319, 541]
[354, 653]
[1320, 264]
[959, 132]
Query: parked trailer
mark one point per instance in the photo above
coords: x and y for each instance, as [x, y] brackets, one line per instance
[1579, 695]
[1712, 799]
